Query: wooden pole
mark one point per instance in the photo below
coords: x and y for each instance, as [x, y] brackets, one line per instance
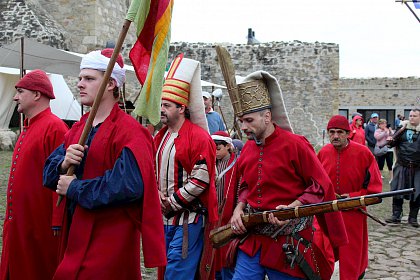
[100, 93]
[411, 10]
[22, 73]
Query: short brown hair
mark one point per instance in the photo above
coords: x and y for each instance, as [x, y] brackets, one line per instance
[381, 121]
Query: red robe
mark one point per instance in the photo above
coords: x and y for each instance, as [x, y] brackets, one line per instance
[105, 243]
[277, 173]
[231, 179]
[348, 170]
[192, 144]
[30, 251]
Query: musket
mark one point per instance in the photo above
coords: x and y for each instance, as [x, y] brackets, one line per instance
[364, 212]
[222, 235]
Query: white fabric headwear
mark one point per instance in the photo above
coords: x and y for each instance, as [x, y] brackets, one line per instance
[183, 86]
[96, 60]
[278, 108]
[221, 138]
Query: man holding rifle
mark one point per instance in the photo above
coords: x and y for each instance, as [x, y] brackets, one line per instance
[114, 177]
[354, 172]
[279, 169]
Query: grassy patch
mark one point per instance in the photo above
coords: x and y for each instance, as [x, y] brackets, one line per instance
[5, 161]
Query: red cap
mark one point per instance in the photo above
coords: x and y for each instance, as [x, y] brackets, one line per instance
[338, 121]
[108, 53]
[221, 133]
[37, 80]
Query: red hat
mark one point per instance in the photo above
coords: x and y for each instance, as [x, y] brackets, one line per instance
[108, 53]
[338, 121]
[221, 136]
[37, 80]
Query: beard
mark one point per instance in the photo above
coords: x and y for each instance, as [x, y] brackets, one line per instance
[253, 136]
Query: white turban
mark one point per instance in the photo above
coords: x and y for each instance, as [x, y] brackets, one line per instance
[96, 60]
[221, 138]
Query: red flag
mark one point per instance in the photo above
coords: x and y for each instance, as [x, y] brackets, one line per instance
[141, 52]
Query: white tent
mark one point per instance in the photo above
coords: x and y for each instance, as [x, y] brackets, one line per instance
[65, 106]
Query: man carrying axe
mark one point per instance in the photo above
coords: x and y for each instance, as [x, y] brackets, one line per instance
[114, 177]
[278, 169]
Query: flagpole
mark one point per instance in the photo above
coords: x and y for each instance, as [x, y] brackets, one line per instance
[100, 93]
[411, 10]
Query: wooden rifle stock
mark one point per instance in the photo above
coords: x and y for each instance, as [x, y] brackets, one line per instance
[222, 235]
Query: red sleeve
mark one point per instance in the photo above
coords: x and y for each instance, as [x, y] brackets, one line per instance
[312, 194]
[242, 192]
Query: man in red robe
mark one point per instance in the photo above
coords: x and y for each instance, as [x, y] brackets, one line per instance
[114, 178]
[30, 248]
[354, 172]
[278, 169]
[185, 167]
[226, 188]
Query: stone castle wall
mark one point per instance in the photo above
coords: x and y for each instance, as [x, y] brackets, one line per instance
[380, 93]
[307, 73]
[91, 23]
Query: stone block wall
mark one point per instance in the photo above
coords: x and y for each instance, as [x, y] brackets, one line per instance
[380, 93]
[307, 73]
[91, 23]
[20, 18]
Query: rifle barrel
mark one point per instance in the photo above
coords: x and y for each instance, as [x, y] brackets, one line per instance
[377, 195]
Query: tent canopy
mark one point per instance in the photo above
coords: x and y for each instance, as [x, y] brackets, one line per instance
[65, 106]
[39, 56]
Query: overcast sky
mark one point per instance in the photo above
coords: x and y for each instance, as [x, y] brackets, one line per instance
[377, 38]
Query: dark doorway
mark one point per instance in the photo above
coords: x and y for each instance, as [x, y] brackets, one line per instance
[388, 115]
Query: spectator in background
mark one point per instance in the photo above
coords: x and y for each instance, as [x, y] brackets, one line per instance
[407, 168]
[214, 120]
[397, 121]
[353, 115]
[381, 135]
[370, 131]
[357, 133]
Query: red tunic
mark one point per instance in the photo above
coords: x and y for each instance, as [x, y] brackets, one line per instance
[30, 251]
[348, 170]
[193, 144]
[105, 243]
[231, 179]
[277, 173]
